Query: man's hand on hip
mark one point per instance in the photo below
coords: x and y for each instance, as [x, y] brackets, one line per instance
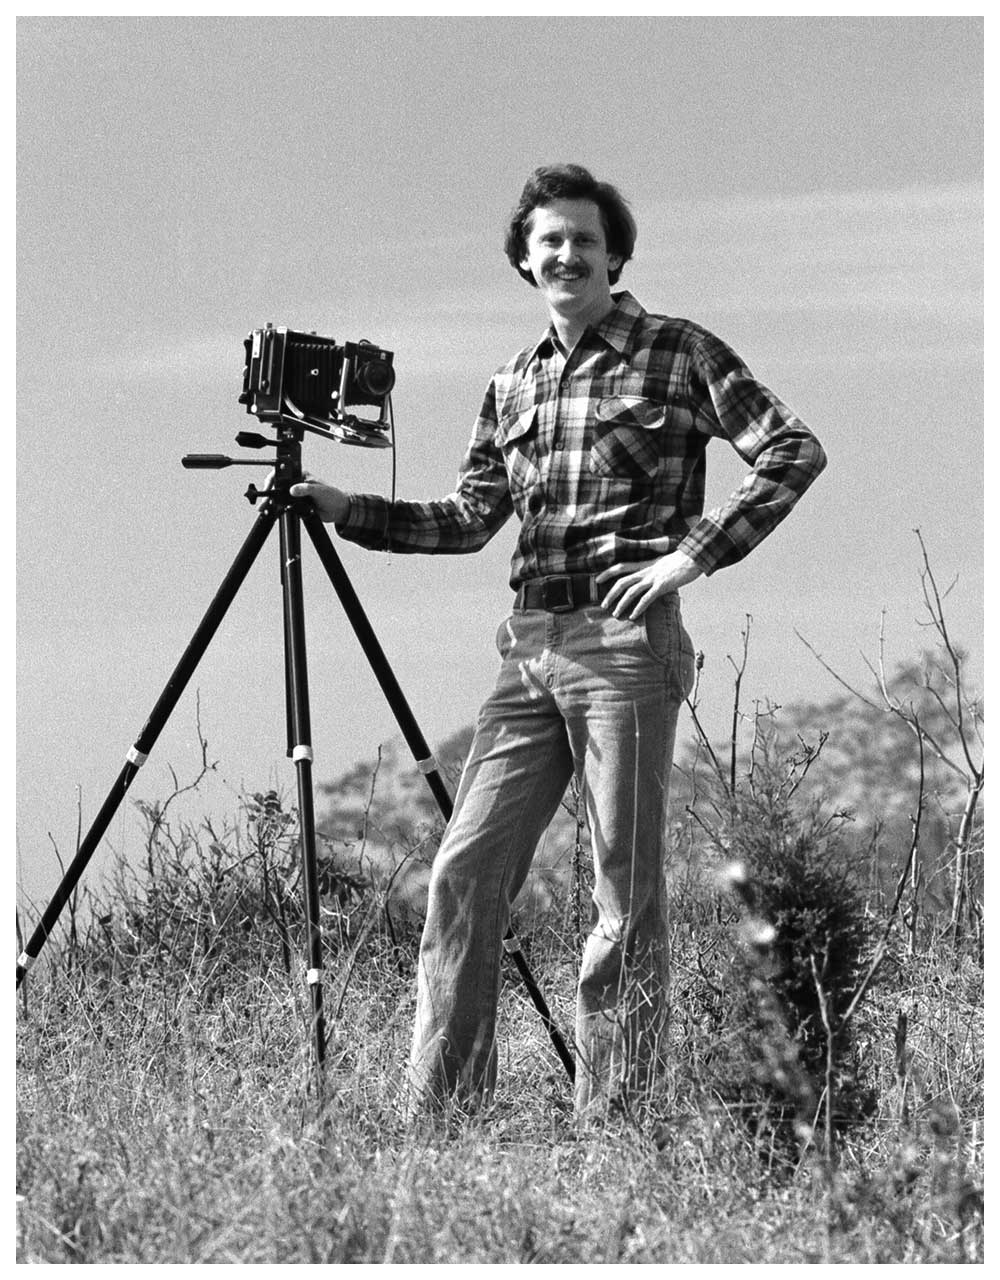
[332, 505]
[637, 585]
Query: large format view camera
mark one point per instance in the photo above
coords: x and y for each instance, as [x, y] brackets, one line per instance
[303, 378]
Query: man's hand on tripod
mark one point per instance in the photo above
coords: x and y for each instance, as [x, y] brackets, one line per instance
[332, 505]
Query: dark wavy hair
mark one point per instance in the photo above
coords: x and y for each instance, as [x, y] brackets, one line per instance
[570, 182]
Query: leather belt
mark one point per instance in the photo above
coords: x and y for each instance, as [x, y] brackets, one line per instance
[560, 594]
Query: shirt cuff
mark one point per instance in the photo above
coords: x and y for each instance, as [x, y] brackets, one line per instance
[366, 521]
[710, 547]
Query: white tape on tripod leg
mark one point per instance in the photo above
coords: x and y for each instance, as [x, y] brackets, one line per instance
[513, 943]
[24, 961]
[302, 753]
[314, 977]
[430, 765]
[136, 757]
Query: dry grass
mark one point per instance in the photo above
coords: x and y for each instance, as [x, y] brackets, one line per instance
[167, 1113]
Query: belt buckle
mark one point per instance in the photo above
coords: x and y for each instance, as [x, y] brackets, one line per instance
[557, 595]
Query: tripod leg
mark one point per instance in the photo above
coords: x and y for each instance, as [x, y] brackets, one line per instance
[377, 660]
[300, 742]
[416, 742]
[289, 704]
[151, 731]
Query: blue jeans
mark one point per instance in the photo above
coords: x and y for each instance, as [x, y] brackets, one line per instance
[582, 692]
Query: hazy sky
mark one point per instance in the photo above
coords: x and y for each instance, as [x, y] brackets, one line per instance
[811, 189]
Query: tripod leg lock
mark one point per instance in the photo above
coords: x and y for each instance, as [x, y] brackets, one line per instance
[430, 765]
[302, 753]
[137, 757]
[314, 977]
[24, 961]
[512, 943]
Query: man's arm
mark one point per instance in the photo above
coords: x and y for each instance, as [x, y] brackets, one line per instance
[786, 457]
[463, 521]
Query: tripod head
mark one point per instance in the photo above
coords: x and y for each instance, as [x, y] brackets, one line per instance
[286, 464]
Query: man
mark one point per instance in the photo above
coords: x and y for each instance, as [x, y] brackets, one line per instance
[595, 437]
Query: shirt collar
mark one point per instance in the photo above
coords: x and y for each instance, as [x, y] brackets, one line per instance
[616, 327]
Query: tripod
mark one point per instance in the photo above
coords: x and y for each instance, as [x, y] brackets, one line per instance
[290, 515]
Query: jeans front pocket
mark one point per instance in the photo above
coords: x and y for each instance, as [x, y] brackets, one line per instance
[669, 643]
[505, 637]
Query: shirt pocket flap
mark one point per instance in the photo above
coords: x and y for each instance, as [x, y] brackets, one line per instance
[630, 411]
[514, 424]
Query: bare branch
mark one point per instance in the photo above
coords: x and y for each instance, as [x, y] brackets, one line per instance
[937, 614]
[692, 704]
[881, 947]
[740, 670]
[801, 766]
[830, 671]
[824, 1011]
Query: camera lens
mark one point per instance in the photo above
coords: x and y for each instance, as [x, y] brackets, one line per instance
[375, 377]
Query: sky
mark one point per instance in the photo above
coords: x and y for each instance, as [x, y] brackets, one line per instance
[808, 188]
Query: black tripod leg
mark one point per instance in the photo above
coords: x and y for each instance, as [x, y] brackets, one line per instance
[151, 731]
[377, 660]
[513, 948]
[416, 742]
[300, 743]
[289, 702]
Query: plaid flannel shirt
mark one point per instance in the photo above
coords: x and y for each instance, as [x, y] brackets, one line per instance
[602, 457]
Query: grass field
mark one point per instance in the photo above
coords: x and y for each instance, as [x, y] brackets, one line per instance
[168, 1111]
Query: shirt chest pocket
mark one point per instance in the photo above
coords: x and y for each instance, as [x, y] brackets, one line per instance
[517, 437]
[628, 437]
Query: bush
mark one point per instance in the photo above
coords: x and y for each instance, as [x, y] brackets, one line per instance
[791, 951]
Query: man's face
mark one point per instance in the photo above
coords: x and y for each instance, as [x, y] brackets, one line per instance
[568, 257]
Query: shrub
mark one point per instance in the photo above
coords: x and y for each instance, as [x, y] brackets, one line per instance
[790, 961]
